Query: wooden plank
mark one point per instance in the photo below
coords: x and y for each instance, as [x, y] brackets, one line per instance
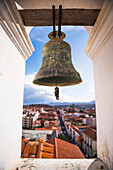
[43, 17]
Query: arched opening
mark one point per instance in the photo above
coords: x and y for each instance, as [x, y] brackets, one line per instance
[82, 96]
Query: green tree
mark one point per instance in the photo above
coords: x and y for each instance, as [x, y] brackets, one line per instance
[60, 136]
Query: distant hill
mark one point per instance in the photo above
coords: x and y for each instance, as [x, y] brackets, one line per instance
[92, 102]
[39, 105]
[69, 103]
[79, 105]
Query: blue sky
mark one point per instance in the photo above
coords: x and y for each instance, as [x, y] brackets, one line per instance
[77, 37]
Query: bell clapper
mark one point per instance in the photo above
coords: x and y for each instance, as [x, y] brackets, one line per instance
[57, 93]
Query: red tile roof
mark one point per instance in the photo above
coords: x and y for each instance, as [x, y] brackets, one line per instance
[83, 127]
[53, 128]
[26, 151]
[90, 133]
[25, 140]
[37, 149]
[65, 150]
[76, 129]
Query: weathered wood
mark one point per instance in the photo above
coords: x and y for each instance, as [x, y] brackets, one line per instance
[43, 17]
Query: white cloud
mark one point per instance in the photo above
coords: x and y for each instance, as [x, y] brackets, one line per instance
[36, 94]
[42, 94]
[38, 33]
[73, 28]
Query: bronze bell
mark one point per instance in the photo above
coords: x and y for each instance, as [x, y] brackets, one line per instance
[57, 68]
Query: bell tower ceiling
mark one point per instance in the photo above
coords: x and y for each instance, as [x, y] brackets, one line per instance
[77, 13]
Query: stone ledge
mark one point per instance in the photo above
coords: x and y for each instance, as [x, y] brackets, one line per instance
[59, 164]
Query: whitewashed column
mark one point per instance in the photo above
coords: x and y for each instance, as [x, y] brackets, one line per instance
[100, 49]
[15, 48]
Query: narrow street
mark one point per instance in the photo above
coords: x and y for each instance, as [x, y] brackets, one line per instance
[64, 131]
[62, 126]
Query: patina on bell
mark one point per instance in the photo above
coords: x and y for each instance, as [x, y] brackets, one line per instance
[57, 68]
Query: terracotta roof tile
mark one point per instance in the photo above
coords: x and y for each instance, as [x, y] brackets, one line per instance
[22, 147]
[48, 144]
[25, 140]
[83, 127]
[65, 150]
[37, 149]
[40, 149]
[53, 128]
[91, 133]
[52, 148]
[76, 129]
[26, 151]
[47, 155]
[34, 150]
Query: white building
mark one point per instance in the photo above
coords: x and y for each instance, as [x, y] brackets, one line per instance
[27, 121]
[91, 121]
[41, 133]
[74, 133]
[37, 114]
[89, 142]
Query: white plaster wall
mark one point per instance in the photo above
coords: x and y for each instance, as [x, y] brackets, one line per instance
[103, 75]
[12, 68]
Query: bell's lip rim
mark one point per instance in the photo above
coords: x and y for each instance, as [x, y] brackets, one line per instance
[44, 84]
[61, 38]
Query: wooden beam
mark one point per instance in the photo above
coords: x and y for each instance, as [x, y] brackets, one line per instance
[43, 17]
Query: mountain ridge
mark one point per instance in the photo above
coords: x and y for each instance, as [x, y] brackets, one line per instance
[79, 105]
[70, 103]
